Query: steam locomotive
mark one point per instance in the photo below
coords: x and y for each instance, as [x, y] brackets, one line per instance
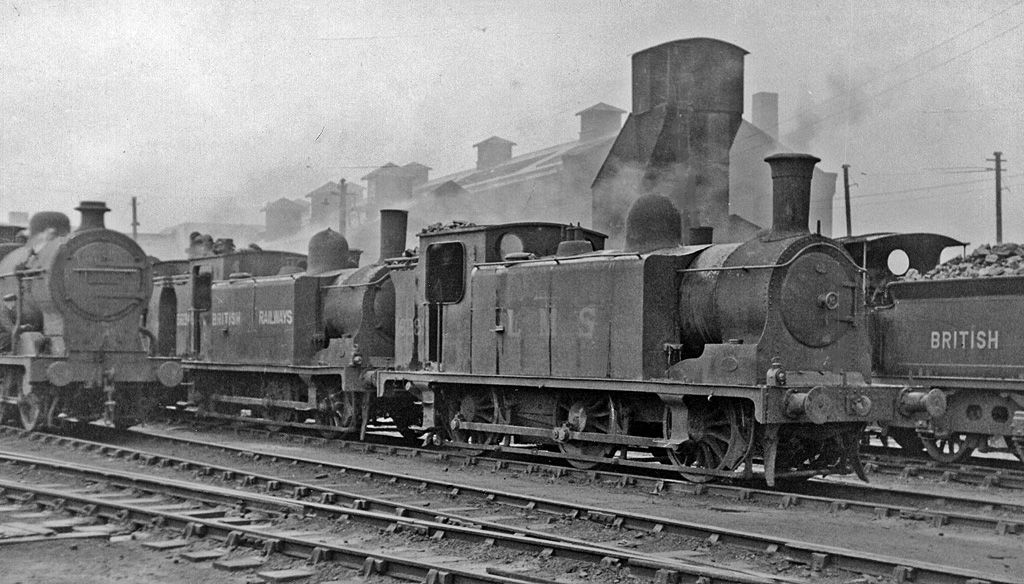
[960, 336]
[72, 343]
[714, 358]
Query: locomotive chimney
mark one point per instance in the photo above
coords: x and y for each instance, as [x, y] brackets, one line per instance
[393, 224]
[92, 215]
[791, 190]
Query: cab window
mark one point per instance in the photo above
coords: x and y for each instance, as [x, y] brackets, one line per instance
[445, 272]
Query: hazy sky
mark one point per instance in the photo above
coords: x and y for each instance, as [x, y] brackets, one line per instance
[179, 103]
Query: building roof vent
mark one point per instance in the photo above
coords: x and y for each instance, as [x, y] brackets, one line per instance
[492, 152]
[599, 120]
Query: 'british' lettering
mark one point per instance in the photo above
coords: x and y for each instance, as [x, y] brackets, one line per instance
[987, 339]
[226, 318]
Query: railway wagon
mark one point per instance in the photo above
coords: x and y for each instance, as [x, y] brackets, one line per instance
[713, 356]
[963, 336]
[71, 322]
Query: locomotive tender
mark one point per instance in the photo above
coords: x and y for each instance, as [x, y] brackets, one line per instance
[960, 336]
[73, 344]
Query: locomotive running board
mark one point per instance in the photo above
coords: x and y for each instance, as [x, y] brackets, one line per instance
[669, 387]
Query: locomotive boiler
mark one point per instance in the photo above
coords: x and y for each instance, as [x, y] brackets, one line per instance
[72, 342]
[713, 357]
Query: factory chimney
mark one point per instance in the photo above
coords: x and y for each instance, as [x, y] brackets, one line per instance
[791, 191]
[687, 108]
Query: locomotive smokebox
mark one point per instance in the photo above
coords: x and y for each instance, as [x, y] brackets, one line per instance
[393, 224]
[687, 108]
[92, 215]
[328, 251]
[791, 191]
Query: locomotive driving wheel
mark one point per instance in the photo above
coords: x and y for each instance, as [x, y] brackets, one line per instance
[34, 409]
[475, 407]
[953, 448]
[594, 413]
[341, 412]
[721, 436]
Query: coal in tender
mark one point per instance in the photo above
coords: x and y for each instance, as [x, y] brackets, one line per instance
[986, 261]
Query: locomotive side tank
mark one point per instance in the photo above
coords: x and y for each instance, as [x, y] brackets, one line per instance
[75, 346]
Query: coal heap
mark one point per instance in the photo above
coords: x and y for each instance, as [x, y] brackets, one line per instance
[987, 261]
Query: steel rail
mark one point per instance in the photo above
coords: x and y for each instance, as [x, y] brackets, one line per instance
[972, 474]
[639, 565]
[814, 555]
[863, 498]
[368, 562]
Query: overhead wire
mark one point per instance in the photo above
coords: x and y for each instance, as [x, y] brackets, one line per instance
[931, 194]
[824, 117]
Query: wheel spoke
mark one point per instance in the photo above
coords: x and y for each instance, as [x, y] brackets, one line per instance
[601, 415]
[724, 437]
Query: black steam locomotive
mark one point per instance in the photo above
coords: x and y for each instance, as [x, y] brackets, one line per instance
[72, 342]
[715, 358]
[961, 336]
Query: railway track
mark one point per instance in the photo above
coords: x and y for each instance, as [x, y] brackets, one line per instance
[990, 474]
[151, 497]
[816, 557]
[821, 494]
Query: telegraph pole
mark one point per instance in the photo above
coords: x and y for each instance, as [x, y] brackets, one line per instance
[342, 206]
[846, 188]
[998, 159]
[135, 219]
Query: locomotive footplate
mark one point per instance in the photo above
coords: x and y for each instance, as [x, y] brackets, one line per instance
[64, 371]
